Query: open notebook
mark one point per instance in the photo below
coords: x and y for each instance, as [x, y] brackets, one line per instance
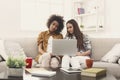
[42, 72]
[70, 70]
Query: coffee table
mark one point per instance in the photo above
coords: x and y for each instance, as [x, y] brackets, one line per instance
[60, 75]
[4, 76]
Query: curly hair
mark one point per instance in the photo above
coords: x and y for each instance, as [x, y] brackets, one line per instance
[59, 19]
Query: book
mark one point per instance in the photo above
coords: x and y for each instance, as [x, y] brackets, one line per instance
[94, 72]
[92, 78]
[70, 70]
[42, 72]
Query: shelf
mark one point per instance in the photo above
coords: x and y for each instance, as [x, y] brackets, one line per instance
[91, 14]
[91, 29]
[86, 14]
[88, 29]
[80, 1]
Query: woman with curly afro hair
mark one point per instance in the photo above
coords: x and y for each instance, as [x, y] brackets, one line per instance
[45, 58]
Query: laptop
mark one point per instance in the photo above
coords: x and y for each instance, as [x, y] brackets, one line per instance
[64, 47]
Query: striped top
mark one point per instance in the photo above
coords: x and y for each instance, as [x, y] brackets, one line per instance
[86, 42]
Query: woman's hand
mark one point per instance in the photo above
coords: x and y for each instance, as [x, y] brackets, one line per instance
[87, 53]
[78, 54]
[51, 54]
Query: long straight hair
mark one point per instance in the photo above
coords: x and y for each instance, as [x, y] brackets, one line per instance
[77, 33]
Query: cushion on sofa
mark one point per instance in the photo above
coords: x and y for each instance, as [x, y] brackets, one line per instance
[10, 48]
[1, 58]
[13, 49]
[113, 55]
[3, 67]
[119, 61]
[2, 50]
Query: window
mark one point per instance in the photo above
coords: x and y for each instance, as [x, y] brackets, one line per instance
[34, 13]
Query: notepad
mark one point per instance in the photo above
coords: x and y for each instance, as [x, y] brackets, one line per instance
[70, 70]
[42, 72]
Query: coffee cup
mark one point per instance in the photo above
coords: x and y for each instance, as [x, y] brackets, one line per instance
[28, 62]
[89, 63]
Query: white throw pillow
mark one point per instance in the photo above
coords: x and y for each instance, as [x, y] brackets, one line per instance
[2, 50]
[1, 58]
[113, 55]
[14, 49]
[119, 61]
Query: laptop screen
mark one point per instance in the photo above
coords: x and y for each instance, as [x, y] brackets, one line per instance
[64, 47]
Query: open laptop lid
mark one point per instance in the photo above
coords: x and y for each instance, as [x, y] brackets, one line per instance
[64, 47]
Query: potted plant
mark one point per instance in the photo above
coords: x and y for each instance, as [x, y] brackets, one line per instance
[15, 66]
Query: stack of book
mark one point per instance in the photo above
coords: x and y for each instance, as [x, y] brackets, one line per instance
[93, 73]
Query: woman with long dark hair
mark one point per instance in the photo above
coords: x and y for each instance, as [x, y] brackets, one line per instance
[83, 45]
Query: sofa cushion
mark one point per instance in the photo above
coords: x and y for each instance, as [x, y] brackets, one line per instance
[29, 45]
[3, 66]
[101, 45]
[9, 48]
[1, 58]
[113, 55]
[2, 50]
[119, 61]
[13, 49]
[112, 68]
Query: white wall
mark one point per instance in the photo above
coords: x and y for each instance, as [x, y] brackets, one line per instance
[113, 17]
[112, 20]
[10, 15]
[10, 19]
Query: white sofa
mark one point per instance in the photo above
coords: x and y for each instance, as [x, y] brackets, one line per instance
[100, 46]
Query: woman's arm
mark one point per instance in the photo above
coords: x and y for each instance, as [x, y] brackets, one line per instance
[87, 46]
[40, 50]
[40, 42]
[86, 53]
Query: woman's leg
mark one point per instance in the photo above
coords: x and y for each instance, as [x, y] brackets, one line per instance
[44, 60]
[82, 60]
[75, 63]
[55, 62]
[65, 61]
